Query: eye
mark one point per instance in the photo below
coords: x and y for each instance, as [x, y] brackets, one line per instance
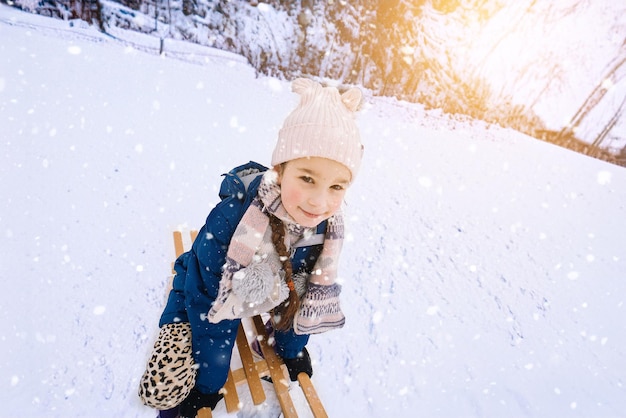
[337, 187]
[306, 179]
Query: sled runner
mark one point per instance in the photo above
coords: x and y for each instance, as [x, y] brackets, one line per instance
[254, 369]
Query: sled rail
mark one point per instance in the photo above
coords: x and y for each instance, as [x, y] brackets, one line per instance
[254, 369]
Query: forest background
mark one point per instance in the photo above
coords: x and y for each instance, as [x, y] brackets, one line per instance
[554, 70]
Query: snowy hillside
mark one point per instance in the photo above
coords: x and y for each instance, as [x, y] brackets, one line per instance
[484, 271]
[528, 65]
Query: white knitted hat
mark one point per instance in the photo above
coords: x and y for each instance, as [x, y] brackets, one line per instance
[322, 125]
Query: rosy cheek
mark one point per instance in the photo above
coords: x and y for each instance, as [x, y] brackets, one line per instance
[291, 199]
[338, 200]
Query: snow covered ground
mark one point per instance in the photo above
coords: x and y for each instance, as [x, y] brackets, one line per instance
[484, 273]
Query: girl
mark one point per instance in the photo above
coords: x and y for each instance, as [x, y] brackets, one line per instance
[271, 245]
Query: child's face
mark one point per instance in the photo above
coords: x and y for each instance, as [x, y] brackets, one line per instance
[313, 188]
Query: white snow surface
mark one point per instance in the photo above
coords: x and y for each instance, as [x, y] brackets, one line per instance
[483, 272]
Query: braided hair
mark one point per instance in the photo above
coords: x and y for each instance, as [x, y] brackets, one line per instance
[284, 313]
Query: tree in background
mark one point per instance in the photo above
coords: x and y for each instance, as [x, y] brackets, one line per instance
[602, 99]
[88, 10]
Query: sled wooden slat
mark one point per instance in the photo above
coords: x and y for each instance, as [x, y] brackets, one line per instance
[311, 396]
[231, 398]
[280, 382]
[239, 375]
[253, 369]
[204, 413]
[249, 367]
[178, 243]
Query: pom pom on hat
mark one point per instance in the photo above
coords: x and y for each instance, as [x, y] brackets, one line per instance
[322, 125]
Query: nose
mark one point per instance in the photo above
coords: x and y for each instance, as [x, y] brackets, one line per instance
[317, 199]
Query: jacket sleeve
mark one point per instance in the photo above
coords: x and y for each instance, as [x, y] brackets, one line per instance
[175, 310]
[208, 255]
[212, 343]
[198, 271]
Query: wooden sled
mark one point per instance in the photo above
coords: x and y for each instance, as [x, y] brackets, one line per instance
[253, 369]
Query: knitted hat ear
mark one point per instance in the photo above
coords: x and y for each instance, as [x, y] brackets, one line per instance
[351, 99]
[301, 85]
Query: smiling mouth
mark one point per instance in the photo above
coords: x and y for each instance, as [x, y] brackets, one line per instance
[309, 214]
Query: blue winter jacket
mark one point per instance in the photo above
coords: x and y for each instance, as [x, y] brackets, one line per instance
[198, 273]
